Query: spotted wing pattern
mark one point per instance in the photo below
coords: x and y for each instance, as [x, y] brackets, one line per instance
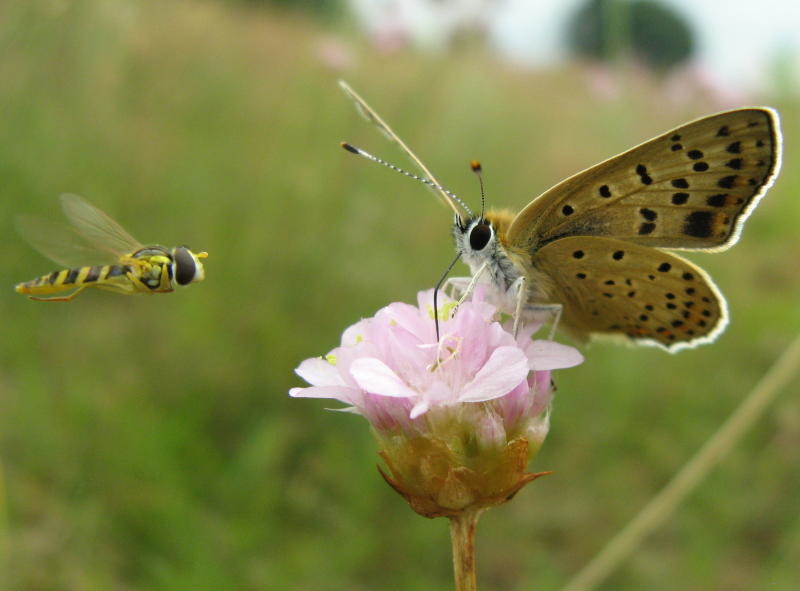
[690, 188]
[612, 287]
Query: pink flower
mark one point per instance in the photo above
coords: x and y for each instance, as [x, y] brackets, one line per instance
[478, 387]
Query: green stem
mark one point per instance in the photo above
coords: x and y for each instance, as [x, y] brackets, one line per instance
[462, 536]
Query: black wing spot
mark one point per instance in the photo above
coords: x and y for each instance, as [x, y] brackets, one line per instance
[649, 307]
[735, 148]
[676, 137]
[664, 267]
[609, 282]
[605, 191]
[700, 167]
[727, 182]
[646, 228]
[694, 154]
[580, 275]
[676, 147]
[671, 306]
[698, 224]
[644, 318]
[688, 276]
[680, 183]
[641, 170]
[567, 210]
[617, 256]
[648, 214]
[690, 291]
[717, 200]
[680, 198]
[669, 295]
[723, 131]
[578, 254]
[735, 163]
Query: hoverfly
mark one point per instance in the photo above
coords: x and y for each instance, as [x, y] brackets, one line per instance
[136, 268]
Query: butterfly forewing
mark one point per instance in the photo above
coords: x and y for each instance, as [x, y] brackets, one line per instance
[690, 188]
[612, 287]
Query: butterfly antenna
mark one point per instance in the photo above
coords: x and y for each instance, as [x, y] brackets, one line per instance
[478, 170]
[436, 293]
[359, 152]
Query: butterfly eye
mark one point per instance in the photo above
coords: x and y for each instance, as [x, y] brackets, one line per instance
[480, 235]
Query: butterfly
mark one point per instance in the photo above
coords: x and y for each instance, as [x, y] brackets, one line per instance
[591, 248]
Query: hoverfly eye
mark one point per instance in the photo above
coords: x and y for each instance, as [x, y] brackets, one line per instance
[185, 267]
[479, 236]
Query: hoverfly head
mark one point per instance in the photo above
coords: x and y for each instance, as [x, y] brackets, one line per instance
[187, 265]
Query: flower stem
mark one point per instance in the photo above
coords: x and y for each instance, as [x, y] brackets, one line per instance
[462, 536]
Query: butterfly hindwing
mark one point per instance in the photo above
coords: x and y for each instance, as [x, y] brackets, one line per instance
[610, 287]
[690, 188]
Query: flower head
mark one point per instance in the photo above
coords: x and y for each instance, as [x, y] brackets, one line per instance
[458, 419]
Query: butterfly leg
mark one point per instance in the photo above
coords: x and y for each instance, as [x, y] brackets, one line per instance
[552, 309]
[471, 287]
[521, 297]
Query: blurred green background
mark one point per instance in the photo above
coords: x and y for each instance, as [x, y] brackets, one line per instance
[149, 442]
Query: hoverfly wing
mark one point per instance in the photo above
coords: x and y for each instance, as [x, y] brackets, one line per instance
[60, 243]
[97, 227]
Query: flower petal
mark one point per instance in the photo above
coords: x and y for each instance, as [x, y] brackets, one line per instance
[504, 370]
[546, 355]
[420, 408]
[319, 372]
[342, 393]
[376, 377]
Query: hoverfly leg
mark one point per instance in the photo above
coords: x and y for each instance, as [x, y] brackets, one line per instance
[67, 298]
[127, 289]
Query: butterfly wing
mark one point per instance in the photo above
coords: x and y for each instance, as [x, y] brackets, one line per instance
[610, 287]
[690, 188]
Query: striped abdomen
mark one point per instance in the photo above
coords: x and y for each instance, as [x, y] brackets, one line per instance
[70, 278]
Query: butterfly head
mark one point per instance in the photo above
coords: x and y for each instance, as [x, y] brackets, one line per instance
[481, 239]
